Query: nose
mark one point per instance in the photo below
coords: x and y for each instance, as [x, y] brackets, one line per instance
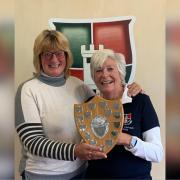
[105, 72]
[53, 57]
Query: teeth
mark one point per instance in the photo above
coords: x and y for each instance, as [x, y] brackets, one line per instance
[54, 65]
[107, 82]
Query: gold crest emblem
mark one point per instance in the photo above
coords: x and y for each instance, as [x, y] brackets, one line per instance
[100, 121]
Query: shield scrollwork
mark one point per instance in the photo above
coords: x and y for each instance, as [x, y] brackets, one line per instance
[99, 121]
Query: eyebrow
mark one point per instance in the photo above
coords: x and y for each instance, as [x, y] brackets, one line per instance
[106, 66]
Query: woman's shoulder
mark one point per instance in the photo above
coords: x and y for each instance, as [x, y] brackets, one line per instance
[28, 84]
[74, 80]
[141, 97]
[80, 87]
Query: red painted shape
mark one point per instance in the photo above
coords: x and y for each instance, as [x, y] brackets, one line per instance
[77, 73]
[113, 35]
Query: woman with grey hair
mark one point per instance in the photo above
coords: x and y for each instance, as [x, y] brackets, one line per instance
[139, 143]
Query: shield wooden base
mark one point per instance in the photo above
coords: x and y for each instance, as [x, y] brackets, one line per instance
[100, 121]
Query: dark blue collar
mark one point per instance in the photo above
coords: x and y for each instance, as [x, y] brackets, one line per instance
[52, 81]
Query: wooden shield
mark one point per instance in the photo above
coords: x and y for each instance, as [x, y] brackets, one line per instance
[100, 121]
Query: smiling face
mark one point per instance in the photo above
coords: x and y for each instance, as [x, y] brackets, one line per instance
[108, 80]
[53, 62]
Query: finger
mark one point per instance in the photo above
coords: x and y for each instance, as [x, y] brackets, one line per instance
[82, 141]
[89, 155]
[94, 148]
[131, 92]
[130, 89]
[134, 87]
[130, 86]
[134, 90]
[98, 155]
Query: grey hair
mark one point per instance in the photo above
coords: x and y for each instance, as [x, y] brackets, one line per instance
[100, 56]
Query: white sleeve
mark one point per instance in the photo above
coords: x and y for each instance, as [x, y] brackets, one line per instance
[150, 148]
[31, 132]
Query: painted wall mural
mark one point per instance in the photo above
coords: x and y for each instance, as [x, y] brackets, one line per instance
[88, 35]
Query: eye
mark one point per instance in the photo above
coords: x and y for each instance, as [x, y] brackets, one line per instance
[110, 69]
[47, 55]
[99, 70]
[59, 54]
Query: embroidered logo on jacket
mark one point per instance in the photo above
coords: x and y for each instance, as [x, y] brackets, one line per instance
[127, 119]
[128, 125]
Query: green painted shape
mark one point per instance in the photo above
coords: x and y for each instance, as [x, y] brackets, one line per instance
[78, 34]
[128, 73]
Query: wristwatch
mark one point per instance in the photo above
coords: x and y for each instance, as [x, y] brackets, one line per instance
[133, 142]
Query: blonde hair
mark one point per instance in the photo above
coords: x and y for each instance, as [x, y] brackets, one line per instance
[100, 56]
[51, 39]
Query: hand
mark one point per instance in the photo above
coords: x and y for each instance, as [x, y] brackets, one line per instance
[124, 139]
[134, 89]
[88, 152]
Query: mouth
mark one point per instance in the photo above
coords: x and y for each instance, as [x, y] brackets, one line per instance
[106, 82]
[54, 65]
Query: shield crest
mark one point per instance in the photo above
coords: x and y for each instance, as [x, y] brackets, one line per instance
[88, 35]
[99, 121]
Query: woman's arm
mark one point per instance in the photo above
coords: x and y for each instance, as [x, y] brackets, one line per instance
[150, 148]
[31, 132]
